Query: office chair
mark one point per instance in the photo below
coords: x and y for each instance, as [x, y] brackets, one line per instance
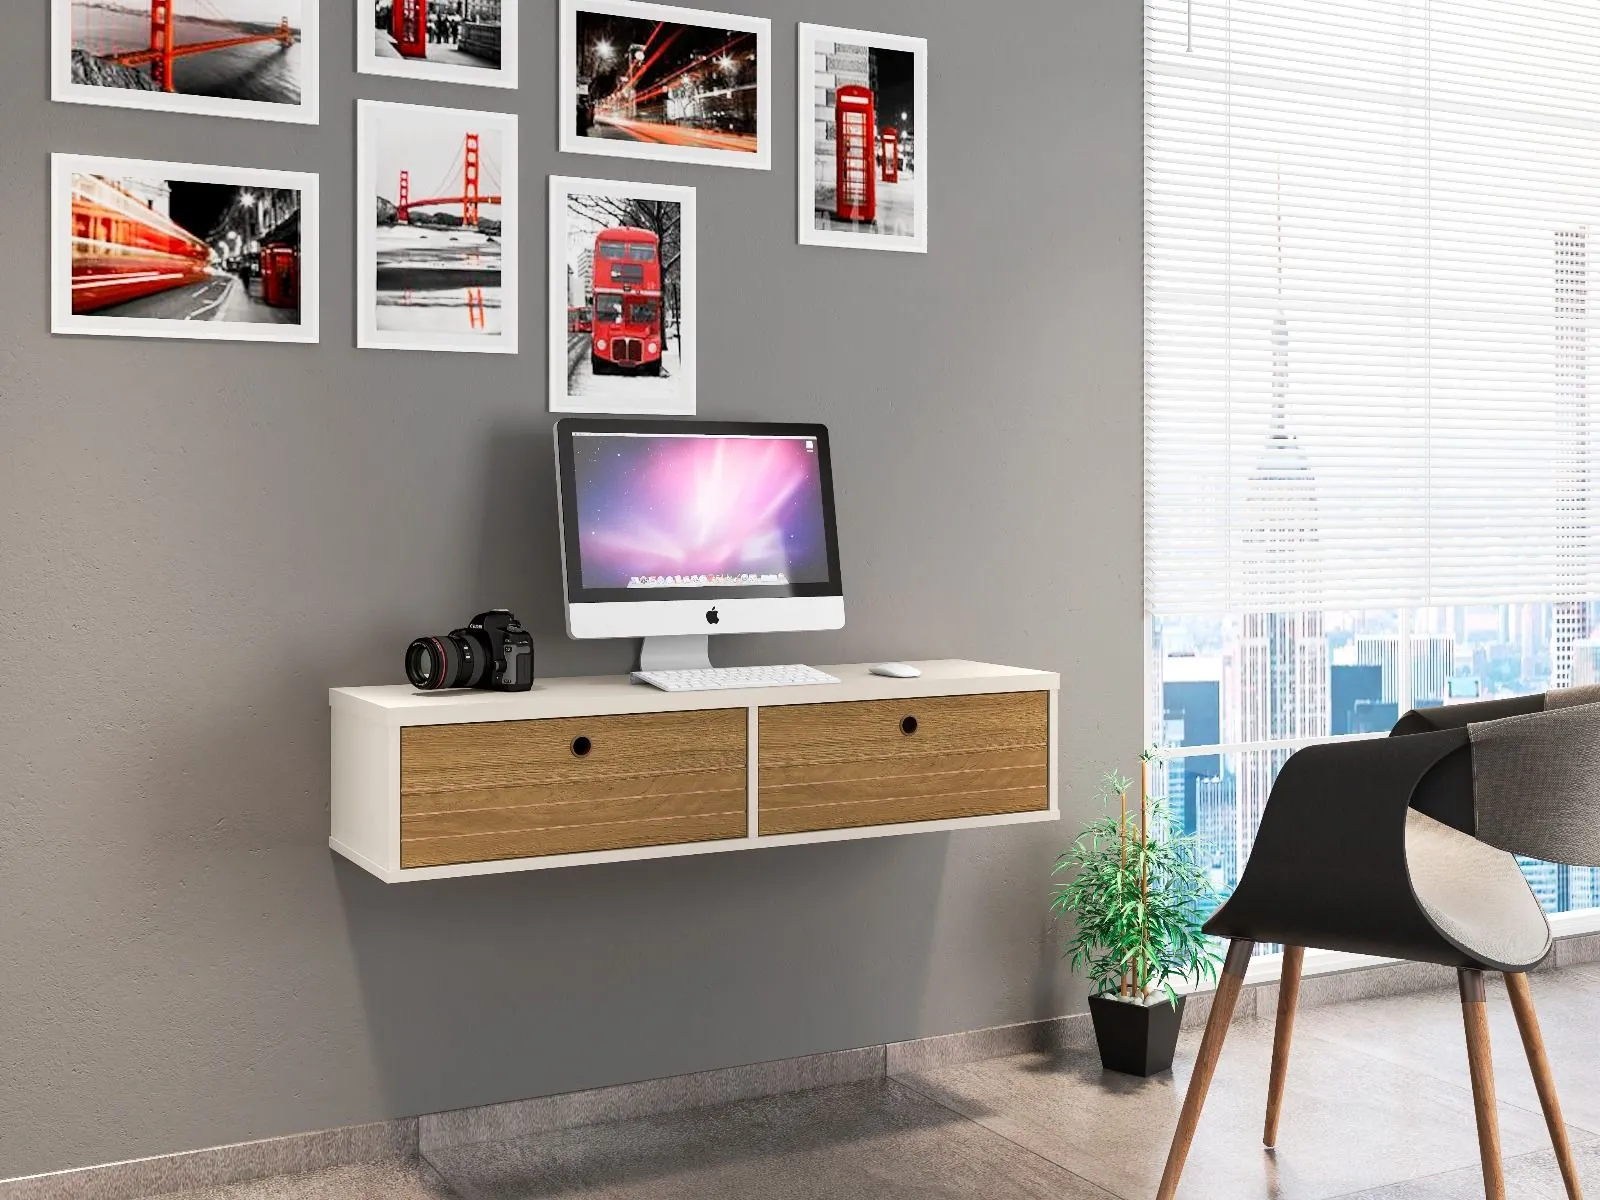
[1403, 847]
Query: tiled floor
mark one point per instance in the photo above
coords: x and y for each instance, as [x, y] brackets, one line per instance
[1378, 1108]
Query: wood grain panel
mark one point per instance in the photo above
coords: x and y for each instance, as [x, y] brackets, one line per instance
[849, 765]
[514, 789]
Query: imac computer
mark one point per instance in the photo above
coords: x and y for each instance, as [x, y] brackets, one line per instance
[672, 530]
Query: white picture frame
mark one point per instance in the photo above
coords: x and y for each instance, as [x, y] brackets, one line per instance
[101, 33]
[427, 270]
[818, 81]
[700, 145]
[574, 387]
[168, 293]
[371, 60]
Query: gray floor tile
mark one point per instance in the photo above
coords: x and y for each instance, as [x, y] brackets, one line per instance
[1528, 1177]
[369, 1181]
[873, 1139]
[1423, 1033]
[1351, 1120]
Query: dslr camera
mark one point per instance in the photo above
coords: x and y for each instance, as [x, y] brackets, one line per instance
[492, 651]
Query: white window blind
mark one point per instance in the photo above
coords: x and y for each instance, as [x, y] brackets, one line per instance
[1370, 230]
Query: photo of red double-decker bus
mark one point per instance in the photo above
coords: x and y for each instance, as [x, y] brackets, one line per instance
[625, 277]
[626, 331]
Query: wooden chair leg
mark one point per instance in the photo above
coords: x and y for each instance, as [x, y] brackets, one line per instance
[1539, 1063]
[1205, 1063]
[1282, 1035]
[1481, 1063]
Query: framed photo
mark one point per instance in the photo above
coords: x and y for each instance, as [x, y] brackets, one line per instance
[863, 139]
[660, 82]
[218, 58]
[436, 228]
[622, 297]
[448, 41]
[175, 250]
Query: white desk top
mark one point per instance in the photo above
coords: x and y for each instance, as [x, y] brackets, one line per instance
[599, 695]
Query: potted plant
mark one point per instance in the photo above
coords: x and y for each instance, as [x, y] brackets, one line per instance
[1138, 899]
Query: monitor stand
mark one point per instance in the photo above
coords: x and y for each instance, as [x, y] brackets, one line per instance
[675, 652]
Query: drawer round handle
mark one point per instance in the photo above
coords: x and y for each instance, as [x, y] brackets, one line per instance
[908, 725]
[581, 746]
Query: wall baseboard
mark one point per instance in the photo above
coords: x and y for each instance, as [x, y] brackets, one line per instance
[409, 1137]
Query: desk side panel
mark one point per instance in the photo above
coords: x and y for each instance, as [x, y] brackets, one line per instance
[365, 791]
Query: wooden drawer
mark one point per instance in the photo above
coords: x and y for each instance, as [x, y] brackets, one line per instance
[516, 789]
[886, 762]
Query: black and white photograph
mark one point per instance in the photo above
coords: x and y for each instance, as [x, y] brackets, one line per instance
[222, 58]
[666, 83]
[179, 250]
[447, 41]
[436, 228]
[622, 297]
[863, 139]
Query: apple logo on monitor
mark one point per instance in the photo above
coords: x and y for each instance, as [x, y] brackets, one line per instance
[711, 617]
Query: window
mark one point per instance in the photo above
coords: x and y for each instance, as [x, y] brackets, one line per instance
[643, 312]
[1371, 453]
[614, 251]
[641, 252]
[608, 308]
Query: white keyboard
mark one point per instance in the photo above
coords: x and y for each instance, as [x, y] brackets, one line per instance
[711, 679]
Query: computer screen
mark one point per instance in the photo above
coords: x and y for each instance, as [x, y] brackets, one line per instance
[655, 510]
[694, 511]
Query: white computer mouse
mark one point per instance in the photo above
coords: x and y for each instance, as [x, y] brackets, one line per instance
[895, 670]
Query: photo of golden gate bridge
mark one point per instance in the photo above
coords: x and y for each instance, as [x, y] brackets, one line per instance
[436, 252]
[645, 85]
[222, 57]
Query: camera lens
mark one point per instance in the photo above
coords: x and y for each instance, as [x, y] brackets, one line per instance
[451, 661]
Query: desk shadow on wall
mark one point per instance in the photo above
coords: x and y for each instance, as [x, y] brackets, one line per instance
[505, 987]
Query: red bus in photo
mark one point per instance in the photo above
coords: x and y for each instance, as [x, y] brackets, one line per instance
[580, 319]
[626, 325]
[123, 249]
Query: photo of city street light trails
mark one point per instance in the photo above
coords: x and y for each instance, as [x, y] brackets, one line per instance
[228, 50]
[437, 257]
[659, 88]
[153, 250]
[886, 202]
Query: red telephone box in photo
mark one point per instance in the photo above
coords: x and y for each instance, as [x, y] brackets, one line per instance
[891, 155]
[408, 25]
[855, 196]
[280, 276]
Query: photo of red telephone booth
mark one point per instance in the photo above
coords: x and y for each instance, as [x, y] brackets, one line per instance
[891, 155]
[280, 276]
[855, 135]
[408, 25]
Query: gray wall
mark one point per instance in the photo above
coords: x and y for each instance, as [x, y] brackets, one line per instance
[197, 540]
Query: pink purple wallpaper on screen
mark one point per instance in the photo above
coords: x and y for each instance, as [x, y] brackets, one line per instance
[660, 511]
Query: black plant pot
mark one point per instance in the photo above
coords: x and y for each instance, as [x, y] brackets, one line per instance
[1134, 1038]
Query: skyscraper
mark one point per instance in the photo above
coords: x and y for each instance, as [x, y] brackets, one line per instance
[1433, 657]
[1281, 656]
[1572, 618]
[1191, 703]
[1349, 685]
[1586, 661]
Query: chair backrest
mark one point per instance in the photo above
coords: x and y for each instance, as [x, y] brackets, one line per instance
[1536, 779]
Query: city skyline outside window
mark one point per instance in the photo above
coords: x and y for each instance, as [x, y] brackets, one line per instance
[1372, 458]
[1233, 697]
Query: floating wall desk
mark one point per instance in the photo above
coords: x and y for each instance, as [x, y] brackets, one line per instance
[428, 786]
